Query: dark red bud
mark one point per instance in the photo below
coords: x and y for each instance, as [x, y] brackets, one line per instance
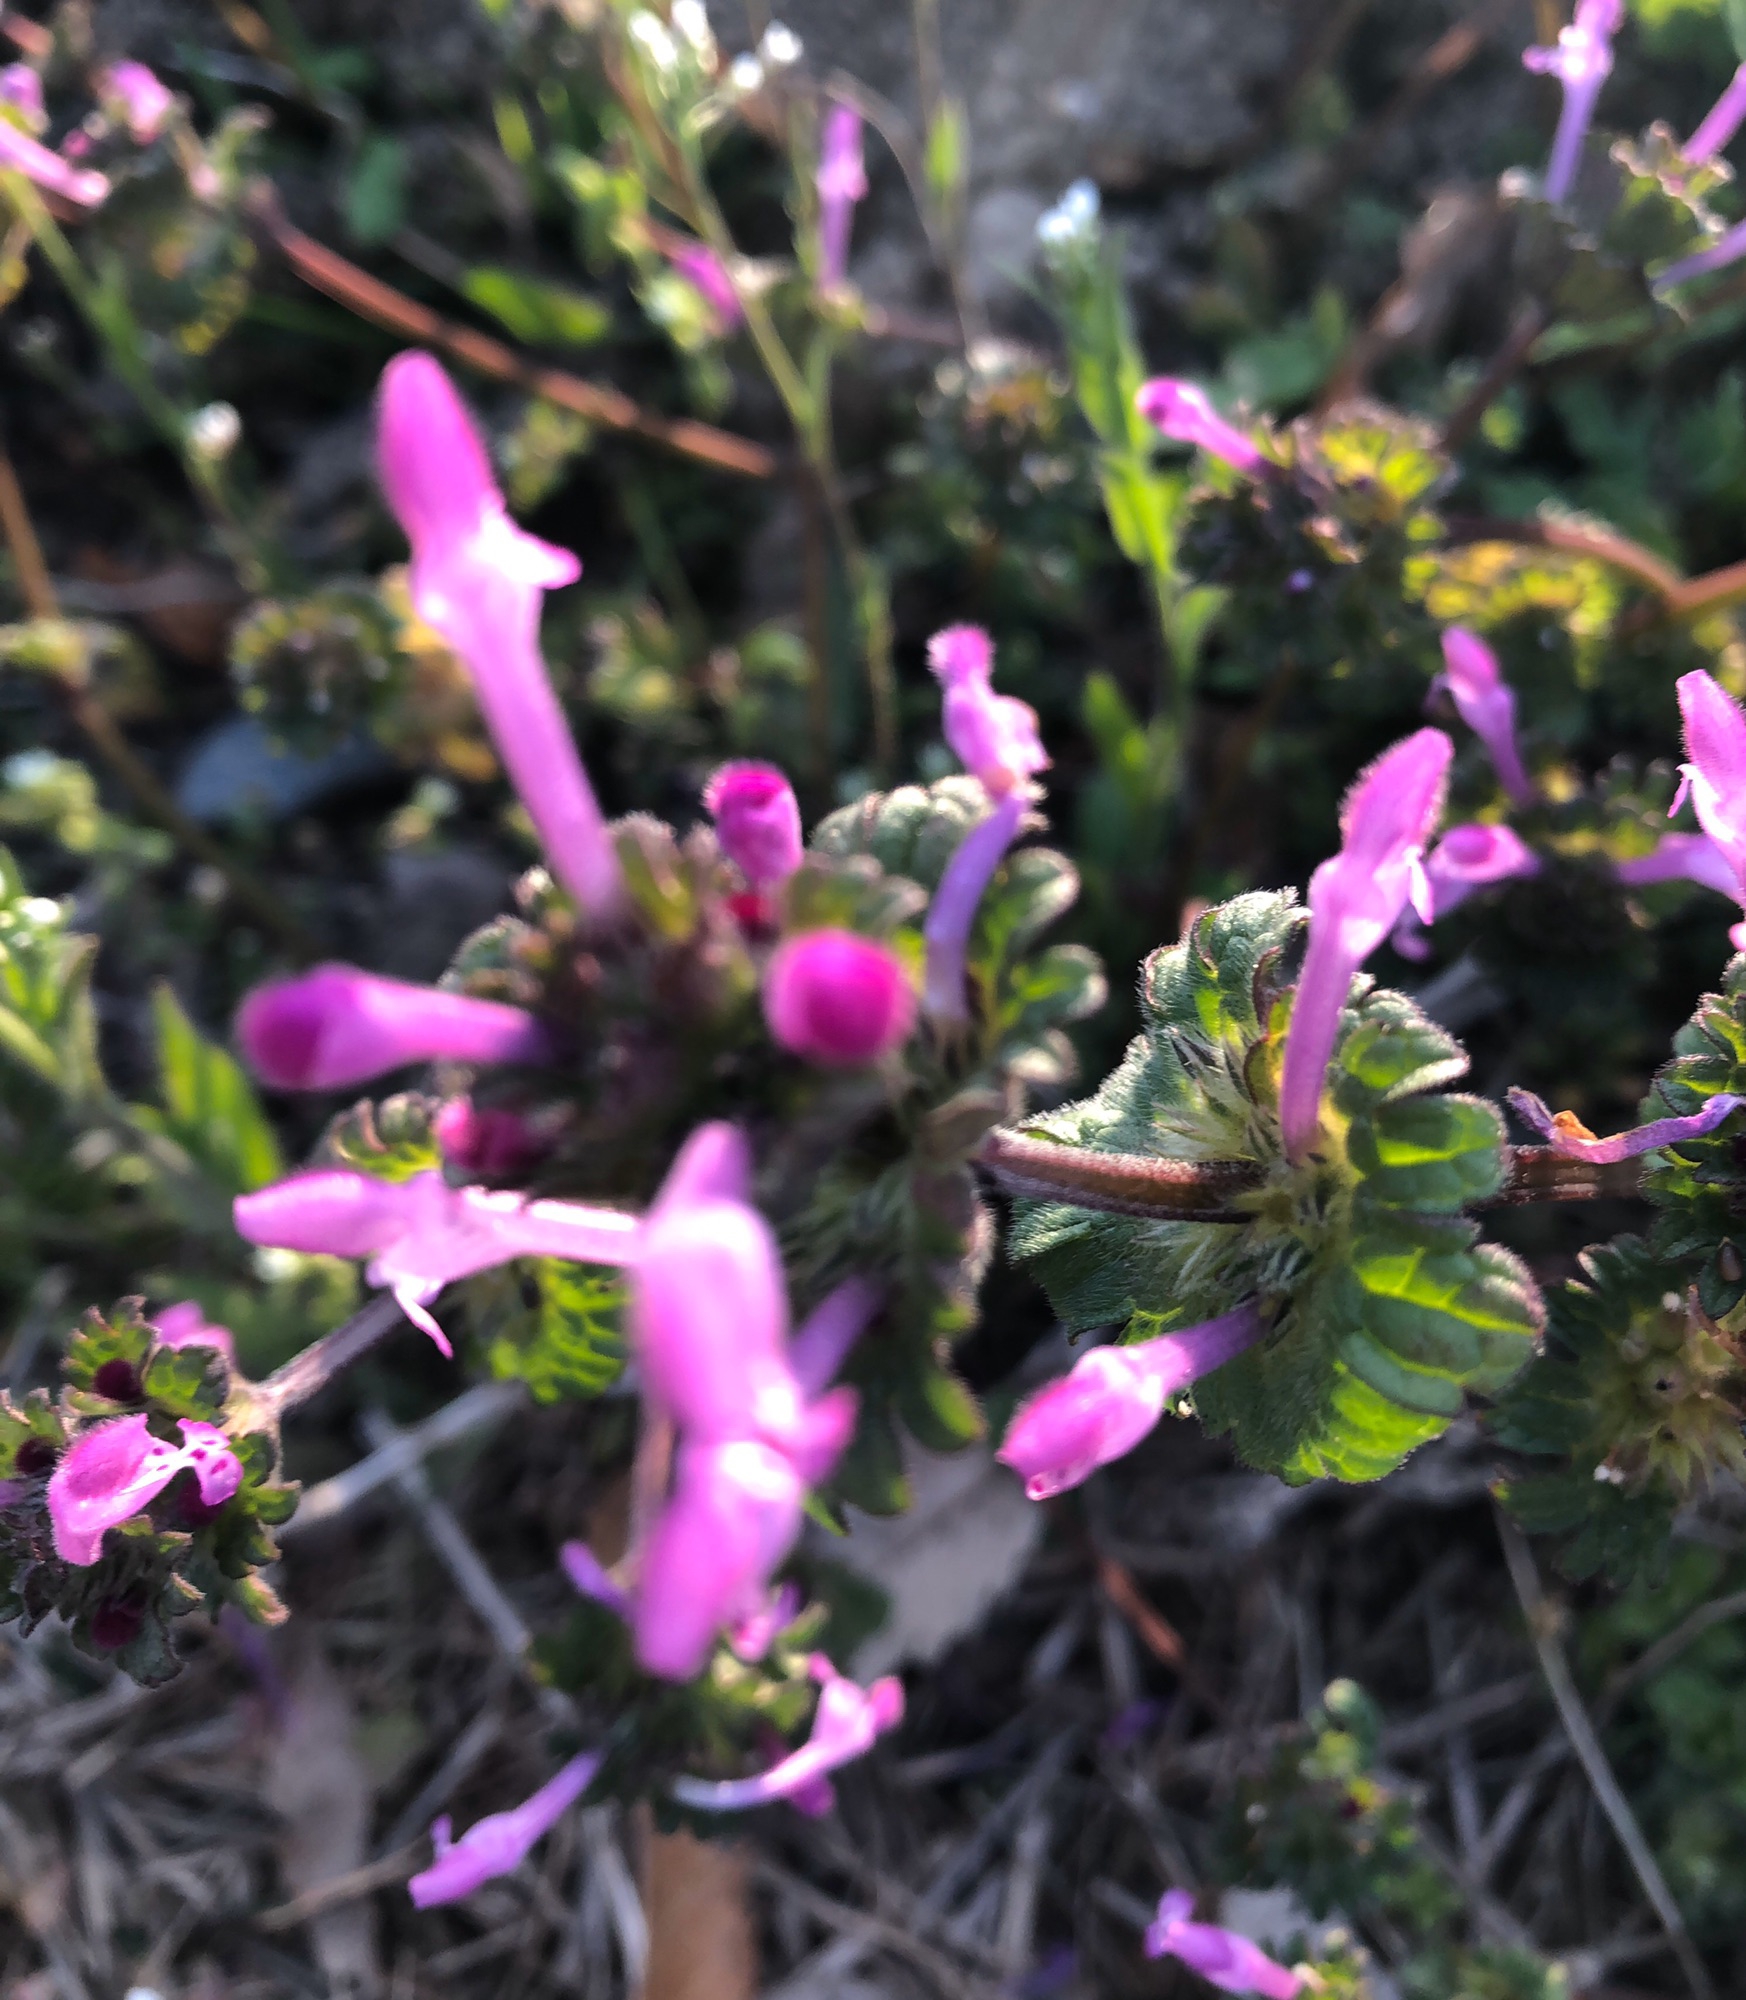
[118, 1380]
[116, 1621]
[34, 1457]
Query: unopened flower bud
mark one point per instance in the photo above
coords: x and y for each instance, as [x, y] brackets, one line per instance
[757, 821]
[838, 999]
[215, 431]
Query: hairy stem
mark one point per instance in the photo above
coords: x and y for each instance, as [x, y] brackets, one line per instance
[307, 1374]
[1205, 1190]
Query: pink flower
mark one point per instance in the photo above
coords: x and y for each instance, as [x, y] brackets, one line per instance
[842, 181]
[1465, 859]
[1487, 704]
[1721, 124]
[1567, 1135]
[1687, 857]
[1715, 742]
[478, 580]
[1184, 411]
[702, 270]
[1355, 900]
[838, 999]
[143, 100]
[1112, 1397]
[21, 89]
[115, 1470]
[757, 821]
[498, 1844]
[1223, 1957]
[337, 1026]
[1582, 60]
[591, 1578]
[421, 1234]
[81, 186]
[1728, 248]
[185, 1325]
[496, 1145]
[994, 736]
[848, 1721]
[751, 1639]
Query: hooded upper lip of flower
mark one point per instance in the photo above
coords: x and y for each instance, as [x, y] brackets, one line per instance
[1487, 704]
[1715, 775]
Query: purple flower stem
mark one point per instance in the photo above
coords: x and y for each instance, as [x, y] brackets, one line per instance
[822, 1344]
[307, 1374]
[952, 913]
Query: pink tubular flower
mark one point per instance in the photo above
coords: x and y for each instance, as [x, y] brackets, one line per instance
[838, 999]
[21, 154]
[994, 736]
[1487, 704]
[842, 181]
[421, 1234]
[952, 913]
[478, 580]
[1112, 1397]
[116, 1469]
[1680, 857]
[1225, 1958]
[1184, 411]
[1715, 776]
[1728, 248]
[757, 821]
[144, 102]
[1582, 60]
[1355, 900]
[498, 1844]
[21, 89]
[1720, 125]
[1465, 859]
[845, 1725]
[337, 1026]
[830, 1330]
[702, 270]
[185, 1325]
[1567, 1135]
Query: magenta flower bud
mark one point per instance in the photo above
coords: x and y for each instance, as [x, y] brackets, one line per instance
[1720, 125]
[337, 1026]
[734, 1514]
[848, 1721]
[1715, 742]
[114, 1471]
[1465, 859]
[1113, 1397]
[493, 1144]
[185, 1325]
[1355, 900]
[143, 101]
[837, 999]
[1224, 1958]
[478, 580]
[757, 821]
[703, 271]
[994, 736]
[591, 1578]
[842, 181]
[1582, 60]
[501, 1842]
[21, 89]
[22, 154]
[1184, 411]
[1487, 704]
[421, 1234]
[1566, 1134]
[1680, 857]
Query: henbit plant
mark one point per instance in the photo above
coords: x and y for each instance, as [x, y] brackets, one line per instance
[720, 1098]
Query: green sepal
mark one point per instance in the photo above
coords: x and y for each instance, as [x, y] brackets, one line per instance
[390, 1141]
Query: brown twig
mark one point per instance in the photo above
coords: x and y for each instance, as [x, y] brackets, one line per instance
[343, 281]
[1205, 1190]
[97, 726]
[1578, 538]
[1510, 358]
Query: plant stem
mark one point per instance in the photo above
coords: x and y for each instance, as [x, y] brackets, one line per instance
[1505, 365]
[307, 1374]
[1540, 1618]
[1204, 1190]
[97, 726]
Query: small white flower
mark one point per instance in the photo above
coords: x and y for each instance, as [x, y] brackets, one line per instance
[746, 74]
[692, 21]
[30, 768]
[1073, 217]
[780, 46]
[215, 431]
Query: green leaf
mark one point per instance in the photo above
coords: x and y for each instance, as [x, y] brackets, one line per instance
[938, 1410]
[948, 155]
[375, 197]
[535, 310]
[1734, 13]
[571, 1343]
[209, 1105]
